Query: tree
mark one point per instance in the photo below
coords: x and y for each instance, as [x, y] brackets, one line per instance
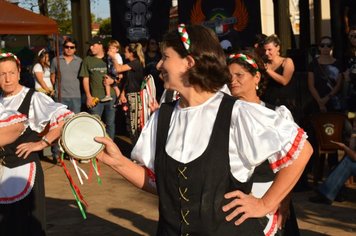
[55, 9]
[105, 27]
[43, 7]
[58, 10]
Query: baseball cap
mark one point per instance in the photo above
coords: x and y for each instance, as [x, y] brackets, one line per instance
[95, 40]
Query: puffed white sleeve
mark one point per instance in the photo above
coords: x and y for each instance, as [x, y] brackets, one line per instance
[260, 133]
[44, 111]
[284, 112]
[10, 117]
[145, 148]
[37, 68]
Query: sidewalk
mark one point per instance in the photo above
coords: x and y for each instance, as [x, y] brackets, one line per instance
[118, 208]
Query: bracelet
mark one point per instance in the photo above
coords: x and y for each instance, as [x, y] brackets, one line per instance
[44, 139]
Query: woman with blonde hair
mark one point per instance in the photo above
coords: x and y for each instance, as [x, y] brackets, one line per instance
[133, 77]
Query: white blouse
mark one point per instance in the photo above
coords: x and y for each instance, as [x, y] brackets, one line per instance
[46, 76]
[9, 117]
[256, 134]
[43, 109]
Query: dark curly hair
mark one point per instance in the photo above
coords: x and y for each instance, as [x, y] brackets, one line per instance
[252, 70]
[210, 72]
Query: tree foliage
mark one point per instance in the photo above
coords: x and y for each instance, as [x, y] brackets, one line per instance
[58, 10]
[105, 27]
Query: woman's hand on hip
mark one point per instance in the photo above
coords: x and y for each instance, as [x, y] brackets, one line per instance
[243, 206]
[24, 149]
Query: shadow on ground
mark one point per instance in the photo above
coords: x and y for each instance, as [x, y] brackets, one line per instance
[64, 218]
[139, 221]
[340, 217]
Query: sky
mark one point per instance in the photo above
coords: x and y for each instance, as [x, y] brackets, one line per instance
[100, 8]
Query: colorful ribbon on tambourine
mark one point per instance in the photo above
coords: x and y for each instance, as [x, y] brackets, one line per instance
[95, 166]
[75, 190]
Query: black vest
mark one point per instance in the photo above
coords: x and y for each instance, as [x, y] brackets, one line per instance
[10, 159]
[191, 195]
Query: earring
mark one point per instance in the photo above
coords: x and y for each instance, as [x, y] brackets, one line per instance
[257, 87]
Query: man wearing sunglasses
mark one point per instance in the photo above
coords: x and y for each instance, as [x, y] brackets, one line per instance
[69, 65]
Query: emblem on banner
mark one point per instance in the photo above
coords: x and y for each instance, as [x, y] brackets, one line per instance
[137, 16]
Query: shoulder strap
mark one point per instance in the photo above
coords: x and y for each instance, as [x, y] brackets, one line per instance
[164, 119]
[169, 95]
[283, 62]
[25, 105]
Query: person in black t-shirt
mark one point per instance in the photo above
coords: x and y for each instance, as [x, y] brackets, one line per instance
[133, 77]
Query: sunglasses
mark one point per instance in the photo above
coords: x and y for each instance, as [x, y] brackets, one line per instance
[69, 47]
[323, 45]
[352, 36]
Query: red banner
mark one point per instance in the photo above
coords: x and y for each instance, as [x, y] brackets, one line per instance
[235, 20]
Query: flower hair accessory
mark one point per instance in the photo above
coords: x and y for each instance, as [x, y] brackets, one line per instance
[182, 30]
[9, 54]
[245, 58]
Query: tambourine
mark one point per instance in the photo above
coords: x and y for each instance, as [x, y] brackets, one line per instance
[77, 138]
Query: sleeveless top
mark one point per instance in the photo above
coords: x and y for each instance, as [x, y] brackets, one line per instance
[10, 159]
[277, 94]
[191, 195]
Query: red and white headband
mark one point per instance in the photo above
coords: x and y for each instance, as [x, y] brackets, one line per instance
[182, 30]
[9, 54]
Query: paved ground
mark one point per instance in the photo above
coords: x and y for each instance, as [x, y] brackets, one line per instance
[118, 208]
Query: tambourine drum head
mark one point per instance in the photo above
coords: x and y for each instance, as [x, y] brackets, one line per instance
[78, 137]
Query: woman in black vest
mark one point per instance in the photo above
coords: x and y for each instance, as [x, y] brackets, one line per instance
[248, 76]
[198, 153]
[22, 195]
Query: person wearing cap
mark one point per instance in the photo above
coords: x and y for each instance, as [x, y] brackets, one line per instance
[95, 75]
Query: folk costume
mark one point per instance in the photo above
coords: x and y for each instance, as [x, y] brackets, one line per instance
[22, 195]
[9, 117]
[263, 178]
[132, 87]
[192, 174]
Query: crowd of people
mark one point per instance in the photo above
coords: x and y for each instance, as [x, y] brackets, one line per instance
[198, 151]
